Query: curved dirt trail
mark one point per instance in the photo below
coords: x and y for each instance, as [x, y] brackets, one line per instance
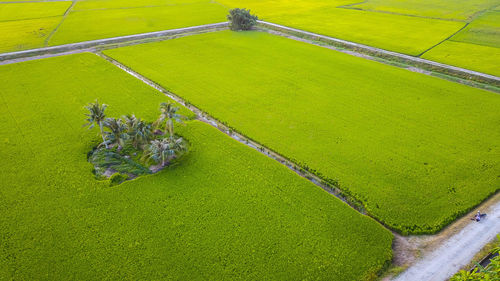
[457, 251]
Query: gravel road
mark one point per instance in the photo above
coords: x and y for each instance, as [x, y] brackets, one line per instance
[456, 252]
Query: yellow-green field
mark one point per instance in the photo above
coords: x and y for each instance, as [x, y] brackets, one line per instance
[454, 10]
[418, 151]
[476, 47]
[404, 34]
[225, 212]
[382, 147]
[483, 31]
[418, 28]
[104, 23]
[480, 58]
[21, 11]
[113, 4]
[26, 34]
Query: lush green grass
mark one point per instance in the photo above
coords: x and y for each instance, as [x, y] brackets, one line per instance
[20, 11]
[483, 31]
[97, 24]
[445, 9]
[417, 150]
[226, 212]
[25, 34]
[480, 58]
[405, 34]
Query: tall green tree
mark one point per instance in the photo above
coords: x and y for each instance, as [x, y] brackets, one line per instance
[241, 19]
[117, 132]
[164, 150]
[96, 116]
[169, 115]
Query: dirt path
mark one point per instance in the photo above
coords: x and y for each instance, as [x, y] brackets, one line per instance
[450, 254]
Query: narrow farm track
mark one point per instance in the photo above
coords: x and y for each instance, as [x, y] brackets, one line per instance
[456, 251]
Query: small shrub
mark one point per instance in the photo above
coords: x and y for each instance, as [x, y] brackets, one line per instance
[117, 178]
[241, 19]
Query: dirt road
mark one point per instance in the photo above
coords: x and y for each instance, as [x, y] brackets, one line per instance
[457, 251]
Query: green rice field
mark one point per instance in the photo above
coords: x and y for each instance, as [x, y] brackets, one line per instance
[105, 23]
[460, 10]
[26, 34]
[483, 31]
[418, 28]
[23, 11]
[476, 47]
[224, 212]
[418, 151]
[399, 33]
[307, 161]
[480, 58]
[114, 4]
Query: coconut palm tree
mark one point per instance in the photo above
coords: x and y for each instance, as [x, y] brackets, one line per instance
[164, 150]
[116, 134]
[96, 116]
[169, 115]
[129, 121]
[140, 133]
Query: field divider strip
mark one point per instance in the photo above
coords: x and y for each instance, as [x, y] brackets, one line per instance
[158, 35]
[64, 16]
[442, 41]
[23, 19]
[429, 65]
[351, 7]
[231, 132]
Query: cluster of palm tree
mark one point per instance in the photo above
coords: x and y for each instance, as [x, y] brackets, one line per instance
[158, 144]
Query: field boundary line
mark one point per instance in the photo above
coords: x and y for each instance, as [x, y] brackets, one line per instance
[444, 40]
[66, 13]
[1, 21]
[351, 7]
[156, 35]
[234, 134]
[389, 55]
